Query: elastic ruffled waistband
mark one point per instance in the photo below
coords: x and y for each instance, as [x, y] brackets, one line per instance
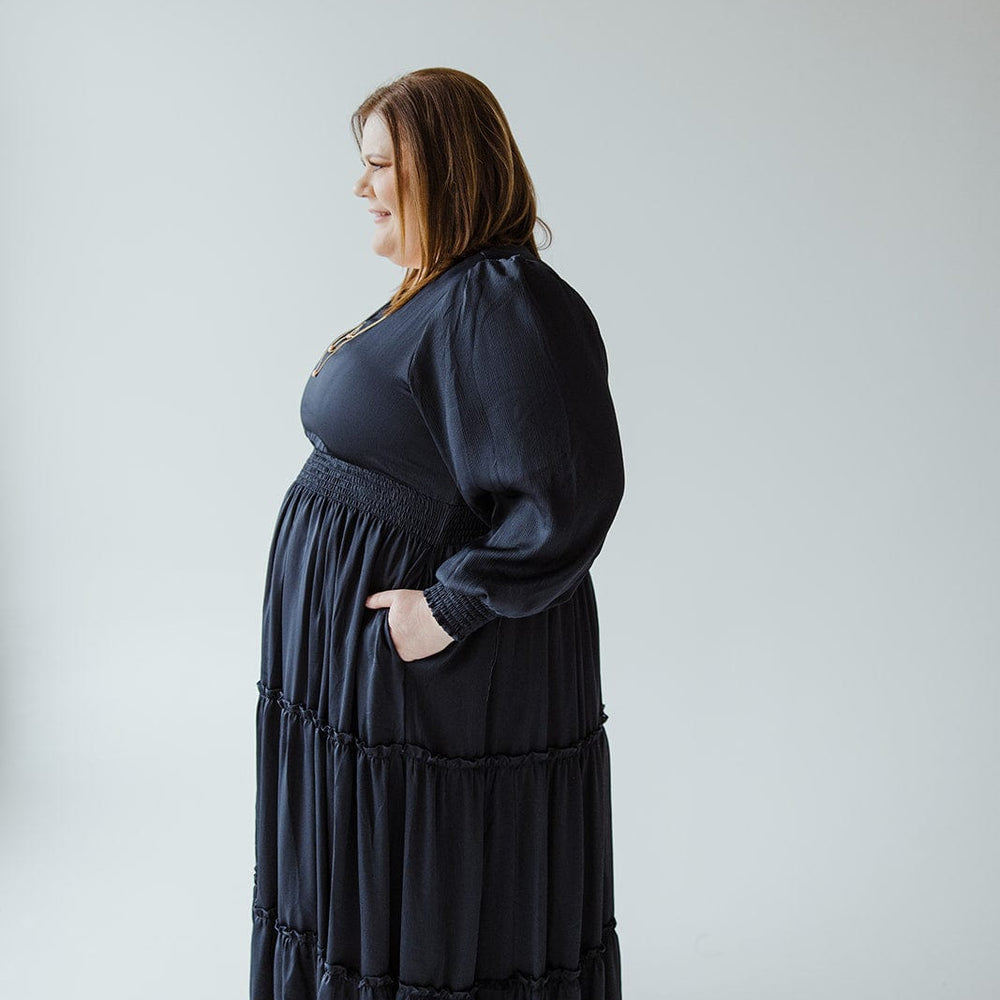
[388, 499]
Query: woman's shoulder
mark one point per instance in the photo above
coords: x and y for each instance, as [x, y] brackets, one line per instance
[505, 276]
[500, 301]
[511, 325]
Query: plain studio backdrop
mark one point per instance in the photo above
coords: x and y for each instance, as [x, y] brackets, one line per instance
[785, 217]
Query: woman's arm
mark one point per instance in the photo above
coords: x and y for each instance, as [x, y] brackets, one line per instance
[513, 387]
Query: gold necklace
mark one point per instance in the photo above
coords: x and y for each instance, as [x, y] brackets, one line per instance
[343, 339]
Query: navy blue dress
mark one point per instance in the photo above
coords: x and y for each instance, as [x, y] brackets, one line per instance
[441, 828]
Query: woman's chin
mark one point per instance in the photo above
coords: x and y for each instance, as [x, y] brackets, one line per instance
[379, 246]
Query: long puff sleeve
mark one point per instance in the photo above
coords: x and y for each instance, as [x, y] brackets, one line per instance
[513, 387]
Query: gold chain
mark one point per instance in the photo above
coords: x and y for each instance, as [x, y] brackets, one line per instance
[343, 339]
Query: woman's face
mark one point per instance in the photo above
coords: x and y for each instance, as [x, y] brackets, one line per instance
[378, 185]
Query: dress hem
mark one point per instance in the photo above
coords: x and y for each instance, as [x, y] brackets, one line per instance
[517, 984]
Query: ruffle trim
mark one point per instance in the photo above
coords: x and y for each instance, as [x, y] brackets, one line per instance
[310, 717]
[392, 987]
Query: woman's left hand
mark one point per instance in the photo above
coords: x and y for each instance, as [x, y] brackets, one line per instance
[413, 629]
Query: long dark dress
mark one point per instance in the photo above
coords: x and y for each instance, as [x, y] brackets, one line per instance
[441, 828]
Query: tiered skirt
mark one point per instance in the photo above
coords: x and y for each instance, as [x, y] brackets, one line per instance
[437, 828]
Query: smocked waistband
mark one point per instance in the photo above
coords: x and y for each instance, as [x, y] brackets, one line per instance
[389, 499]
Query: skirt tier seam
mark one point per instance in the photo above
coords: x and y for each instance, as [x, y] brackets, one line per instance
[331, 971]
[415, 751]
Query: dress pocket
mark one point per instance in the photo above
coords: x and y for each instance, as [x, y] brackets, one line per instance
[385, 640]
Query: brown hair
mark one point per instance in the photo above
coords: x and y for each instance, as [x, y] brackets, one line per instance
[471, 188]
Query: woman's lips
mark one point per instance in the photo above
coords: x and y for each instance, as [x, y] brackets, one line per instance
[380, 216]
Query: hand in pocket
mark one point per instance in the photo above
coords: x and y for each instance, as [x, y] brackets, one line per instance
[413, 629]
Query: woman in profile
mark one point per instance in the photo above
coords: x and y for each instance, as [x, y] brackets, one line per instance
[433, 813]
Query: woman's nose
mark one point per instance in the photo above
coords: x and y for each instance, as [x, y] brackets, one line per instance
[360, 186]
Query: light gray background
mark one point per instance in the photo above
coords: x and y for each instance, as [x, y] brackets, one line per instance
[785, 217]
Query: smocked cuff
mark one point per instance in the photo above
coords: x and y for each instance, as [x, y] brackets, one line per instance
[458, 614]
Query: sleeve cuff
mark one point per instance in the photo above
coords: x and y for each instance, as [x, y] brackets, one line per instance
[458, 614]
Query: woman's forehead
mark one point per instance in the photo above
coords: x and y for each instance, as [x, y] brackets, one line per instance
[375, 138]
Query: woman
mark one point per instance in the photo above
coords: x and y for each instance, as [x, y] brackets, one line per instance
[433, 783]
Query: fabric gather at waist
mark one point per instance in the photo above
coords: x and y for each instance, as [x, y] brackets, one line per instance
[370, 491]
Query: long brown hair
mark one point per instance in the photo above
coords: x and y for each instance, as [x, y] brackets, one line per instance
[471, 188]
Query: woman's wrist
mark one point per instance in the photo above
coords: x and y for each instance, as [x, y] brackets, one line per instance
[458, 614]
